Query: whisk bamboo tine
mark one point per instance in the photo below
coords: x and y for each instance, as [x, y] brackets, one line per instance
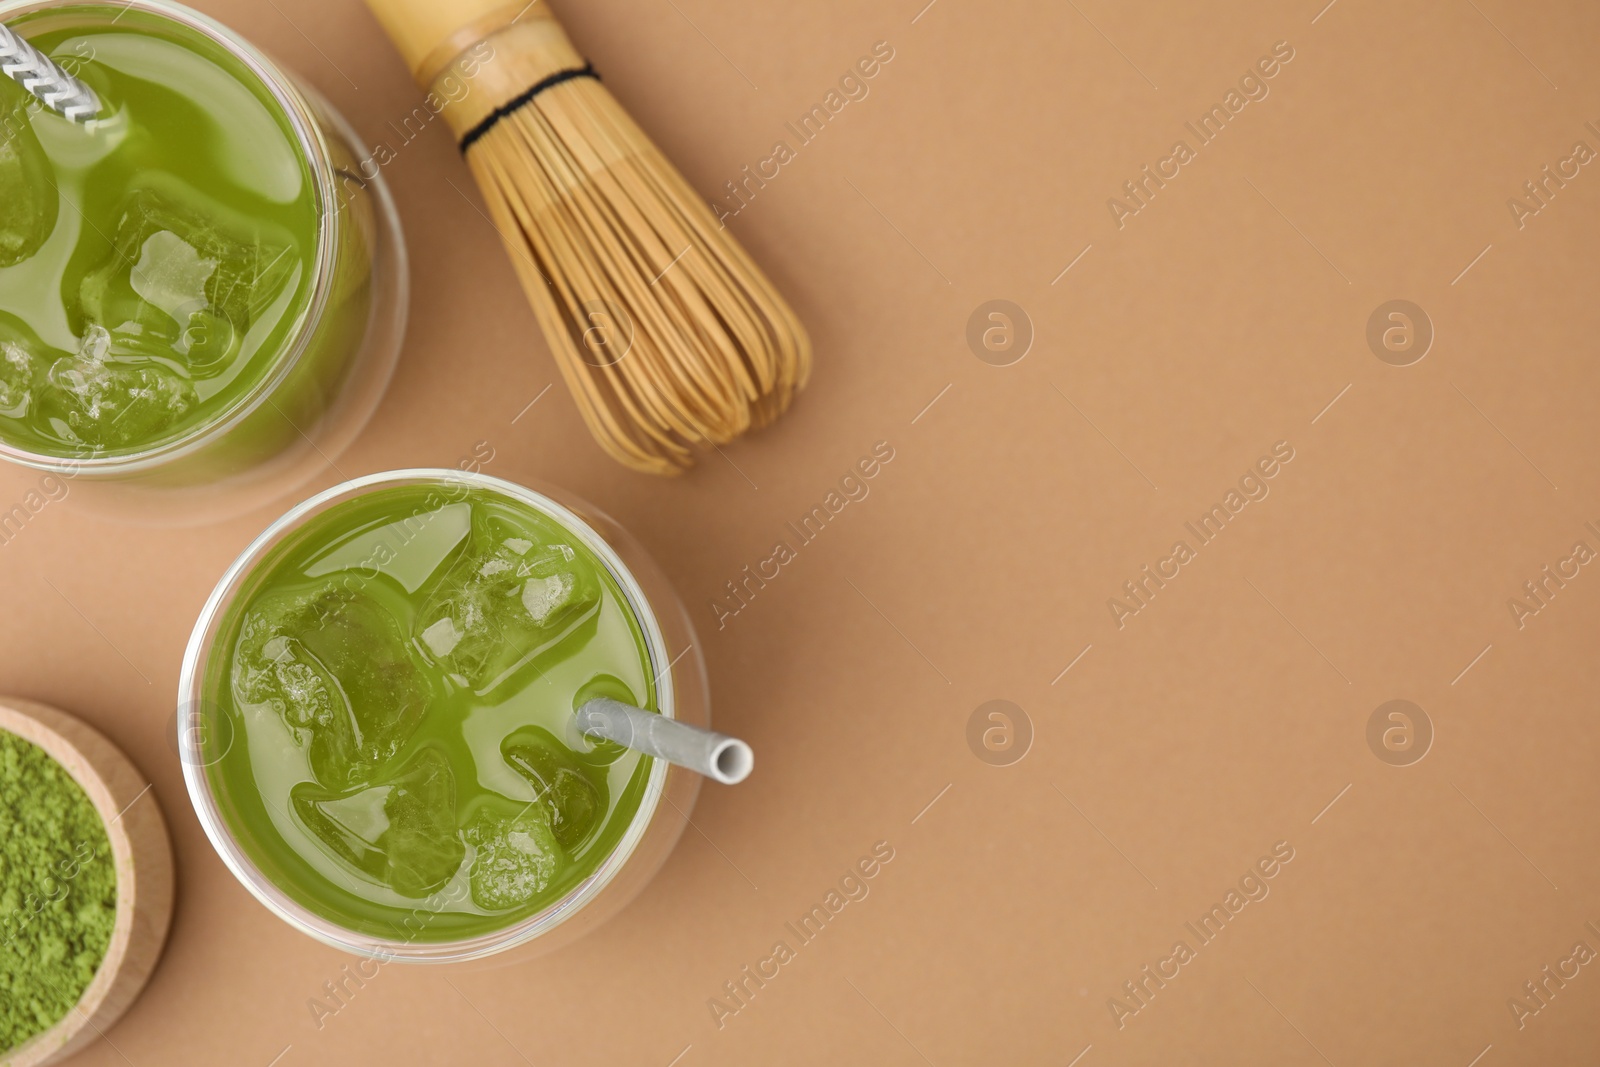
[597, 220]
[588, 247]
[666, 259]
[668, 322]
[552, 232]
[619, 436]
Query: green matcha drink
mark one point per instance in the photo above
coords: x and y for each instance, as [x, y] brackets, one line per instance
[389, 691]
[183, 277]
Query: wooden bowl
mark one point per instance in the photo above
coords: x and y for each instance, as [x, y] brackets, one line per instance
[143, 855]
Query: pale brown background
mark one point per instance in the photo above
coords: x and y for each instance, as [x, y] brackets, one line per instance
[1224, 317]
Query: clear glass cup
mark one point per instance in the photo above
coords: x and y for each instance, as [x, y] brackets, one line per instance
[205, 734]
[326, 379]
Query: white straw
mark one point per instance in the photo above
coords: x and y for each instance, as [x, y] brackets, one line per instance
[717, 756]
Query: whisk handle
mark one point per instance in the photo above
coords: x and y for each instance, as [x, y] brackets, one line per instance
[429, 34]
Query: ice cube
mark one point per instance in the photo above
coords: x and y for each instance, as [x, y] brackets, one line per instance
[185, 279]
[576, 796]
[543, 596]
[19, 376]
[111, 402]
[171, 274]
[401, 833]
[348, 825]
[29, 202]
[442, 637]
[336, 665]
[422, 843]
[511, 595]
[24, 363]
[515, 856]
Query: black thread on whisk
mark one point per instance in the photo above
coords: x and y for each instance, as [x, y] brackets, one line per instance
[522, 100]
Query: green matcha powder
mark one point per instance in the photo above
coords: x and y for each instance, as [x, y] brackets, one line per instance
[58, 891]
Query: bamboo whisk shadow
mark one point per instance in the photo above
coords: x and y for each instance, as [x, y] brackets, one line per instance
[667, 333]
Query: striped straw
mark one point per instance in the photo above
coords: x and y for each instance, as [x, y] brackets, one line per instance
[39, 75]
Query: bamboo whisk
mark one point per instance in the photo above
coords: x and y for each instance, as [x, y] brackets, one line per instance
[665, 330]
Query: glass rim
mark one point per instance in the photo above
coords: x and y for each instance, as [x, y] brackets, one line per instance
[295, 104]
[198, 781]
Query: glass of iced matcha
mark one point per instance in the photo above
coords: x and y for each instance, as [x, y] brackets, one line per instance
[206, 277]
[377, 707]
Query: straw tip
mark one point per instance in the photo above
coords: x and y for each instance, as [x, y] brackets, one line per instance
[732, 761]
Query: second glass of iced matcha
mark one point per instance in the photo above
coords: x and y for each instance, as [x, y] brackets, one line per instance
[206, 277]
[377, 716]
